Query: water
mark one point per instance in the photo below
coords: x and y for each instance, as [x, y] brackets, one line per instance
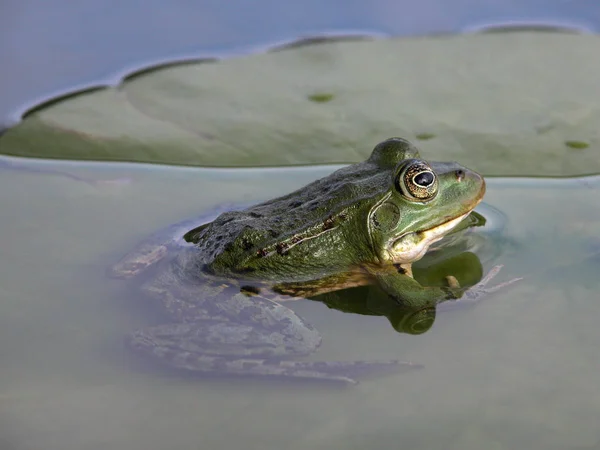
[517, 371]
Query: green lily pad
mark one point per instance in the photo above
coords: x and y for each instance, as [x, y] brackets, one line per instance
[502, 103]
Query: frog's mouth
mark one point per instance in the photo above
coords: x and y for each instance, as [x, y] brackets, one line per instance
[411, 247]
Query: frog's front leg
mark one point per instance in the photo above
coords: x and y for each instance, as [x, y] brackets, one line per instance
[398, 282]
[249, 336]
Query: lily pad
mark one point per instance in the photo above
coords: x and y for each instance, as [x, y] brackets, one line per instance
[501, 103]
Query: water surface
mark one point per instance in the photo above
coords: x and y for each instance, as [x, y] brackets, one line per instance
[516, 371]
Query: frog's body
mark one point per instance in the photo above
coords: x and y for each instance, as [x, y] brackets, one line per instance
[363, 224]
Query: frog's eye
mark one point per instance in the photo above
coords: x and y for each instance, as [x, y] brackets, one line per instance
[416, 181]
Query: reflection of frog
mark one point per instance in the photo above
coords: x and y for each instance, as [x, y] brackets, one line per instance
[364, 224]
[373, 301]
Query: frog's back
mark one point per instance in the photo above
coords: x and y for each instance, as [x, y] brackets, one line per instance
[282, 229]
[321, 226]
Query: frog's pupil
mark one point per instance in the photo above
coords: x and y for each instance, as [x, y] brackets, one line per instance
[424, 179]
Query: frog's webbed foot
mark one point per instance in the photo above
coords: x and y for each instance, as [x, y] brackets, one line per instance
[408, 292]
[477, 292]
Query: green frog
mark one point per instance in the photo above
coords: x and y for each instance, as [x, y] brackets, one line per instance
[223, 284]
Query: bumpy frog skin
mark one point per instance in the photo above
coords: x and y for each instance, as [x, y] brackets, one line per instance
[363, 224]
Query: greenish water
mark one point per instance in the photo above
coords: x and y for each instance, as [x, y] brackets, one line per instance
[519, 370]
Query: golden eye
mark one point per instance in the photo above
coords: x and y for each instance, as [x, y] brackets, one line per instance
[416, 181]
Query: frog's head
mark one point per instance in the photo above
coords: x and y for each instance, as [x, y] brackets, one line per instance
[424, 202]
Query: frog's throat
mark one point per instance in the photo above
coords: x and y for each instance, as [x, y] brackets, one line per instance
[411, 247]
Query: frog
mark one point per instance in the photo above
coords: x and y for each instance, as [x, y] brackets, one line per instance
[224, 285]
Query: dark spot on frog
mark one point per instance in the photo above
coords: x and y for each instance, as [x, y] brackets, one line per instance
[295, 204]
[328, 224]
[246, 244]
[255, 215]
[386, 217]
[375, 221]
[401, 270]
[273, 233]
[250, 291]
[282, 248]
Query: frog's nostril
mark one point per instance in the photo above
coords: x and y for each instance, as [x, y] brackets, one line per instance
[460, 175]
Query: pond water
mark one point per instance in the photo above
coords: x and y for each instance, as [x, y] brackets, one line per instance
[518, 370]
